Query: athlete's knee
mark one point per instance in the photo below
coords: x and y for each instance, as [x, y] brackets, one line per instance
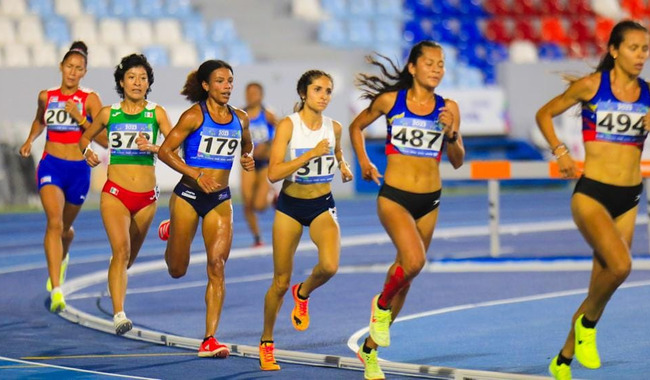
[216, 266]
[328, 268]
[260, 205]
[281, 283]
[68, 233]
[176, 271]
[55, 225]
[413, 265]
[621, 269]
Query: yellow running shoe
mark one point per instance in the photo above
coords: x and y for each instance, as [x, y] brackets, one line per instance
[300, 312]
[380, 324]
[267, 358]
[559, 372]
[64, 270]
[57, 301]
[585, 345]
[371, 371]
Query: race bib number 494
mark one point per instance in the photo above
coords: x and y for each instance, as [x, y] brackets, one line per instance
[416, 137]
[620, 122]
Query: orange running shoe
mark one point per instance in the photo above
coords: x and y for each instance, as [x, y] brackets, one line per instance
[163, 230]
[267, 358]
[300, 312]
[211, 348]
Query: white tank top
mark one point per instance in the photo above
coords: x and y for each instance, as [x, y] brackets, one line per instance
[319, 169]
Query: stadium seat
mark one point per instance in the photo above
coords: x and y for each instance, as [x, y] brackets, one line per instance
[68, 8]
[447, 30]
[551, 7]
[582, 49]
[7, 31]
[497, 7]
[332, 32]
[44, 55]
[151, 9]
[451, 54]
[525, 29]
[523, 51]
[524, 8]
[97, 8]
[179, 8]
[550, 51]
[360, 33]
[420, 29]
[223, 30]
[361, 8]
[139, 32]
[167, 31]
[101, 56]
[13, 8]
[41, 7]
[496, 29]
[211, 51]
[470, 32]
[471, 8]
[635, 8]
[389, 8]
[17, 55]
[552, 30]
[603, 29]
[157, 55]
[30, 30]
[121, 51]
[578, 8]
[84, 29]
[469, 77]
[240, 54]
[56, 30]
[582, 29]
[184, 55]
[387, 31]
[195, 31]
[335, 8]
[392, 51]
[111, 31]
[122, 8]
[496, 53]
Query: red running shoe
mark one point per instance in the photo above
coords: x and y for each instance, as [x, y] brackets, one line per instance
[211, 348]
[163, 230]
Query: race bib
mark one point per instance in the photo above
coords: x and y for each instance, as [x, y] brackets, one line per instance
[58, 119]
[122, 138]
[620, 122]
[416, 137]
[317, 170]
[219, 145]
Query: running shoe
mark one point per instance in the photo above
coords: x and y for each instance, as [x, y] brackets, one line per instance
[380, 324]
[371, 369]
[267, 358]
[57, 301]
[122, 323]
[585, 345]
[300, 312]
[559, 372]
[211, 348]
[163, 230]
[64, 270]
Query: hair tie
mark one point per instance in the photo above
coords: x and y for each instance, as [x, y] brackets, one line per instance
[77, 50]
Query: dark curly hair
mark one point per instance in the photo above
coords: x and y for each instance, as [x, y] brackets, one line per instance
[193, 88]
[128, 62]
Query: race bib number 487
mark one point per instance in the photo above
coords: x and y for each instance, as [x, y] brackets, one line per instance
[416, 137]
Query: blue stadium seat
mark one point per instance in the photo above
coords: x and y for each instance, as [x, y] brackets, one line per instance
[470, 32]
[361, 8]
[332, 32]
[360, 33]
[223, 31]
[335, 8]
[451, 55]
[550, 52]
[445, 7]
[56, 30]
[468, 77]
[151, 9]
[42, 7]
[97, 8]
[195, 31]
[240, 54]
[392, 51]
[387, 30]
[497, 52]
[420, 29]
[390, 8]
[423, 8]
[179, 8]
[122, 8]
[471, 8]
[211, 51]
[446, 30]
[156, 55]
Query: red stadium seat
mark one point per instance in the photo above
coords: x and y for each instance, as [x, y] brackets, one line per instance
[604, 27]
[551, 7]
[581, 30]
[525, 29]
[497, 7]
[524, 8]
[579, 8]
[496, 29]
[636, 8]
[552, 30]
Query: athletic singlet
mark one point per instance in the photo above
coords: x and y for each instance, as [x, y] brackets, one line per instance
[213, 145]
[303, 139]
[123, 129]
[605, 118]
[61, 126]
[260, 128]
[411, 134]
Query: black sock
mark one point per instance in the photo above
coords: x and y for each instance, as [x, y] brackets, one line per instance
[562, 360]
[206, 338]
[587, 323]
[257, 239]
[298, 293]
[266, 341]
[379, 306]
[365, 348]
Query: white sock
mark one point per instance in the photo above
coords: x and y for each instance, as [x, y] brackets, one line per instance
[119, 316]
[55, 290]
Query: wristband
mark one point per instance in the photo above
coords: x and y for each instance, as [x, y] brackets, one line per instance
[83, 152]
[199, 176]
[83, 122]
[453, 138]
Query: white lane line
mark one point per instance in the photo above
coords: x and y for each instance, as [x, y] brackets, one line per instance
[353, 341]
[45, 365]
[170, 287]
